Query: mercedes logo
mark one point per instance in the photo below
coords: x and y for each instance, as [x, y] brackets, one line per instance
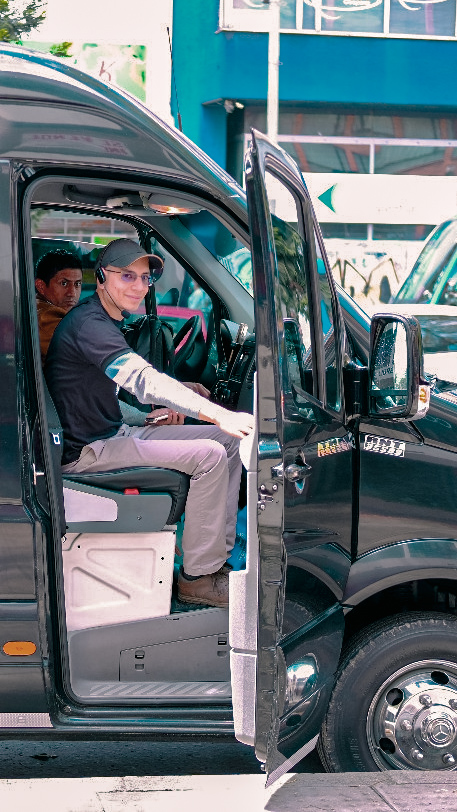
[439, 732]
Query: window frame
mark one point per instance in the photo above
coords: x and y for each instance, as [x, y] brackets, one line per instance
[260, 19]
[309, 231]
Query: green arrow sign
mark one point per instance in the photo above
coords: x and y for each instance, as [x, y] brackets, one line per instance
[326, 197]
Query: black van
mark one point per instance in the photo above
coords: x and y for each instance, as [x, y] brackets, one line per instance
[342, 622]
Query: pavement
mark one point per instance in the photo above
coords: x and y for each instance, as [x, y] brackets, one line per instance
[396, 791]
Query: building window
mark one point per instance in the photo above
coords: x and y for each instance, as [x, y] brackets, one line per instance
[427, 19]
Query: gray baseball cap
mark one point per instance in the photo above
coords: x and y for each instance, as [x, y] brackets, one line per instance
[121, 253]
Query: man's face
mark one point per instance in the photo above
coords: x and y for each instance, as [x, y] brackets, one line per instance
[126, 295]
[64, 289]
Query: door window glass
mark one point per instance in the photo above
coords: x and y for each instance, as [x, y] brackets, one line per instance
[328, 330]
[178, 294]
[293, 288]
[222, 244]
[82, 235]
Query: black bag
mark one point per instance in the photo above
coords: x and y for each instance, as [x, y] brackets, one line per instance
[153, 340]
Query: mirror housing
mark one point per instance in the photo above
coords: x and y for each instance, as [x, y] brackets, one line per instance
[397, 388]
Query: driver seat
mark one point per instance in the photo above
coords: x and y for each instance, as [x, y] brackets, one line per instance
[119, 538]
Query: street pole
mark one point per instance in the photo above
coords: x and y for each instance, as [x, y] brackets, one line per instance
[273, 72]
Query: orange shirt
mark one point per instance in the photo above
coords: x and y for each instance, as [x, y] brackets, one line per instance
[49, 316]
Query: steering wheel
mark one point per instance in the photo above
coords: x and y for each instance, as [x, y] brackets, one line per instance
[191, 356]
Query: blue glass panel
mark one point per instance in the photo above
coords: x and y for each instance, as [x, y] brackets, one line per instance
[287, 13]
[356, 16]
[250, 4]
[309, 16]
[406, 160]
[329, 157]
[429, 17]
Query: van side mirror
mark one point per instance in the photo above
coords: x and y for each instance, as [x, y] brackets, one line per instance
[397, 388]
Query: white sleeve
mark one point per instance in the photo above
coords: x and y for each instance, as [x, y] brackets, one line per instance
[133, 373]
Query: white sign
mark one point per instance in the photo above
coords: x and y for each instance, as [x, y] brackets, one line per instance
[402, 199]
[346, 198]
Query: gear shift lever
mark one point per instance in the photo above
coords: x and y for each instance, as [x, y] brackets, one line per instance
[239, 341]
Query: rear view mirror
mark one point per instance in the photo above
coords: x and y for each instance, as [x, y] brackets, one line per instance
[397, 388]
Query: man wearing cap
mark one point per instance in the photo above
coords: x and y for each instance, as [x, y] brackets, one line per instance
[88, 359]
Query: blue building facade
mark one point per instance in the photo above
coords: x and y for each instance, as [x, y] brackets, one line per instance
[365, 88]
[366, 73]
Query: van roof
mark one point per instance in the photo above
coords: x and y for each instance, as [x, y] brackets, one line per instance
[32, 77]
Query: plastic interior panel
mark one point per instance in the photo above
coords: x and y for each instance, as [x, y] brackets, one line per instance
[134, 513]
[88, 506]
[113, 578]
[95, 654]
[196, 658]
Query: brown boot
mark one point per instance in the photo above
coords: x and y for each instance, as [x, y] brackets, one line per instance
[208, 590]
[227, 568]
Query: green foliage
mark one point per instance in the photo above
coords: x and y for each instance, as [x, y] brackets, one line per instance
[15, 23]
[36, 215]
[60, 49]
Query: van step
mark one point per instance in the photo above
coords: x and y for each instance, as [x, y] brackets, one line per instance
[118, 692]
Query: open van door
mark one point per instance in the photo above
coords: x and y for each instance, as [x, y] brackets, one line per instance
[305, 467]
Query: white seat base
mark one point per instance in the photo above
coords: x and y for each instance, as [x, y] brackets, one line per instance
[117, 577]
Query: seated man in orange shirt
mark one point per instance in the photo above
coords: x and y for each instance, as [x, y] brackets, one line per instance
[58, 279]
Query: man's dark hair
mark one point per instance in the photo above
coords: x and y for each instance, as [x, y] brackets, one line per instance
[53, 262]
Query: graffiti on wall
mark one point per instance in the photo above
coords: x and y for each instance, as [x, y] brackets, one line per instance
[371, 275]
[123, 65]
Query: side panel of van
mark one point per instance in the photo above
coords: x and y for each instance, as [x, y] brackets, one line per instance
[21, 678]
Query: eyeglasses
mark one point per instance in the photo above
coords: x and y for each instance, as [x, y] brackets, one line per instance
[130, 276]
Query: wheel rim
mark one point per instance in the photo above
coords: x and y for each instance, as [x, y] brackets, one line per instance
[412, 719]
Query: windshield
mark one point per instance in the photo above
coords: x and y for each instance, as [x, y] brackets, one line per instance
[435, 268]
[222, 244]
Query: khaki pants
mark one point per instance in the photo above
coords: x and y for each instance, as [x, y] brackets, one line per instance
[208, 455]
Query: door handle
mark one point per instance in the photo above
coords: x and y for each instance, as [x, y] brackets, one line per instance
[297, 473]
[36, 473]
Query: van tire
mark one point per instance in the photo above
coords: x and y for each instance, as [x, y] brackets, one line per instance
[375, 667]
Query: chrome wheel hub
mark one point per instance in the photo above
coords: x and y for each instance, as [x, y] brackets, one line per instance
[412, 720]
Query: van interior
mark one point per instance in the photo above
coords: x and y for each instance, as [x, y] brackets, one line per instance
[127, 639]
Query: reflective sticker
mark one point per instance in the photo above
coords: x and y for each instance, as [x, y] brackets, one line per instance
[384, 445]
[19, 648]
[334, 445]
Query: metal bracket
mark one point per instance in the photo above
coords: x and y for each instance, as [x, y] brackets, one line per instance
[277, 471]
[265, 497]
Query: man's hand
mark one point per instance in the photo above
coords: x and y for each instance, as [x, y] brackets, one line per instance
[238, 424]
[167, 417]
[198, 388]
